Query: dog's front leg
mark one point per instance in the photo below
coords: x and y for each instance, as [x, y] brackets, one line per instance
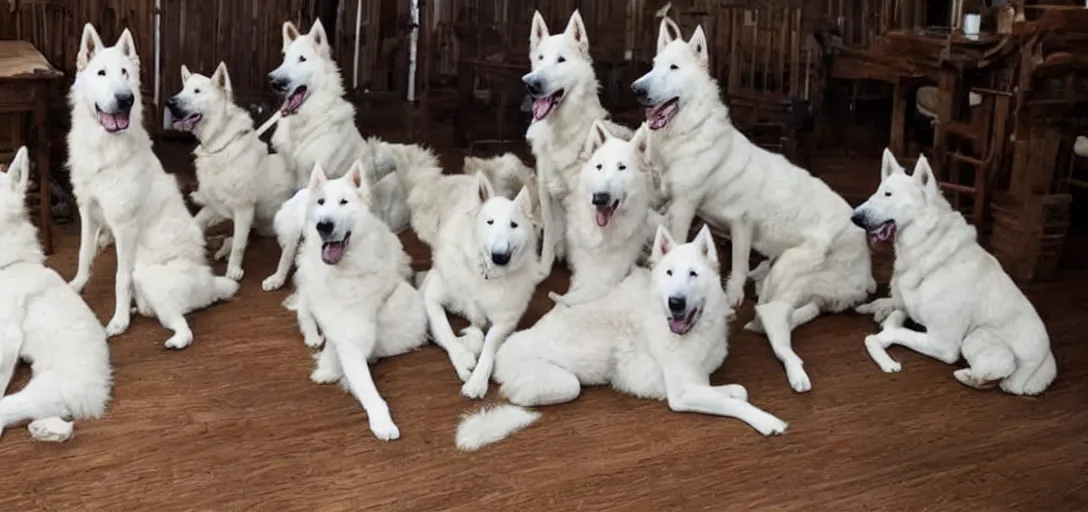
[307, 324]
[925, 343]
[476, 387]
[681, 214]
[125, 241]
[287, 259]
[688, 392]
[740, 234]
[243, 222]
[11, 340]
[88, 248]
[434, 291]
[353, 353]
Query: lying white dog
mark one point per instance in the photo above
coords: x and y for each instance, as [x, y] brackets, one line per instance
[658, 335]
[45, 323]
[351, 287]
[946, 282]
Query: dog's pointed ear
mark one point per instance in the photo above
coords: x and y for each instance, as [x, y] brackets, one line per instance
[485, 190]
[524, 201]
[697, 43]
[598, 134]
[705, 242]
[19, 170]
[576, 29]
[663, 243]
[923, 176]
[664, 34]
[888, 165]
[221, 79]
[290, 33]
[317, 177]
[356, 177]
[538, 31]
[128, 46]
[185, 73]
[318, 36]
[641, 141]
[89, 44]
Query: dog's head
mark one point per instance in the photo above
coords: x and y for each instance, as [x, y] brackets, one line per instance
[686, 279]
[13, 185]
[561, 64]
[615, 171]
[306, 58]
[108, 80]
[899, 200]
[674, 81]
[504, 227]
[200, 97]
[335, 209]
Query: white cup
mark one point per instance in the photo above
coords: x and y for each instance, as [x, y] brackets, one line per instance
[971, 24]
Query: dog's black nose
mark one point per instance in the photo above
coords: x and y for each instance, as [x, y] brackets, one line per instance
[639, 90]
[858, 218]
[125, 101]
[172, 103]
[533, 86]
[278, 84]
[324, 227]
[678, 305]
[500, 258]
[602, 199]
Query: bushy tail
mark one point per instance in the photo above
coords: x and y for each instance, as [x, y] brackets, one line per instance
[225, 287]
[491, 425]
[419, 173]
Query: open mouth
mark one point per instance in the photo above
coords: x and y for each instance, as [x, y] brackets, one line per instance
[294, 101]
[682, 324]
[113, 123]
[660, 115]
[333, 252]
[604, 213]
[544, 105]
[188, 122]
[883, 233]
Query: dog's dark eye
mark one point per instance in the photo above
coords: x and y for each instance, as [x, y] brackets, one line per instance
[562, 60]
[301, 58]
[124, 73]
[196, 91]
[674, 67]
[622, 167]
[693, 274]
[540, 57]
[513, 225]
[343, 202]
[668, 272]
[599, 167]
[320, 202]
[887, 194]
[490, 221]
[101, 72]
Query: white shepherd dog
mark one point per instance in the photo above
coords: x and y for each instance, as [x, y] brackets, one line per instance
[351, 287]
[484, 268]
[45, 323]
[239, 180]
[819, 261]
[947, 283]
[659, 335]
[610, 219]
[318, 124]
[565, 105]
[120, 185]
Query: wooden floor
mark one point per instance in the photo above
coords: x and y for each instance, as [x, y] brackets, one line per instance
[233, 423]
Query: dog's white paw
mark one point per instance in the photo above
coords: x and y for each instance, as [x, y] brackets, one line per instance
[799, 380]
[734, 292]
[880, 356]
[473, 339]
[968, 378]
[384, 429]
[325, 376]
[273, 282]
[117, 326]
[179, 340]
[754, 326]
[51, 430]
[314, 341]
[773, 428]
[474, 388]
[463, 361]
[235, 273]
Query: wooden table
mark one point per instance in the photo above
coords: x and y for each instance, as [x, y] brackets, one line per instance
[25, 77]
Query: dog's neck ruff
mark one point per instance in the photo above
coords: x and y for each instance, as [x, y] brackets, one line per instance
[219, 149]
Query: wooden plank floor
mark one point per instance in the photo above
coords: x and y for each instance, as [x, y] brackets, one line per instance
[233, 423]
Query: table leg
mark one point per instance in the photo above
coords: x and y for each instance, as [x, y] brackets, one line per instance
[41, 117]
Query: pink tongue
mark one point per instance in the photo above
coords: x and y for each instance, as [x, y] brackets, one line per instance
[541, 107]
[108, 121]
[677, 326]
[603, 216]
[122, 121]
[332, 252]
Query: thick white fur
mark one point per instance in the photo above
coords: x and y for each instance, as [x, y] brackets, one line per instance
[601, 257]
[323, 128]
[819, 260]
[557, 139]
[362, 304]
[45, 323]
[120, 186]
[239, 180]
[950, 285]
[624, 340]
